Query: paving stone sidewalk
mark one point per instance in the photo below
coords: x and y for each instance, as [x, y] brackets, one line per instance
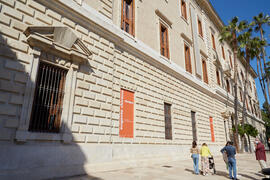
[248, 169]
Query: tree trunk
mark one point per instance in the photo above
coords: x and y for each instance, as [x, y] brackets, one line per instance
[235, 91]
[250, 150]
[244, 112]
[242, 144]
[260, 76]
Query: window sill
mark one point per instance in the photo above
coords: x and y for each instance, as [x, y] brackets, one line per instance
[23, 136]
[165, 58]
[185, 19]
[201, 37]
[129, 36]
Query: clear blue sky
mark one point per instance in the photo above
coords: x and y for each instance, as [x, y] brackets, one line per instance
[245, 10]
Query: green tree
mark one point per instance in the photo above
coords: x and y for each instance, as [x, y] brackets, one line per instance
[246, 129]
[229, 34]
[249, 49]
[250, 131]
[266, 118]
[258, 23]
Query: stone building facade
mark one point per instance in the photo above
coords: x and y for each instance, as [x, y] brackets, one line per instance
[99, 85]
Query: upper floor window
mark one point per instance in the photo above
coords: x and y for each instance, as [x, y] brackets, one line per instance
[48, 101]
[183, 9]
[230, 57]
[242, 76]
[241, 96]
[205, 75]
[218, 78]
[164, 41]
[223, 53]
[228, 86]
[127, 16]
[213, 41]
[200, 27]
[187, 59]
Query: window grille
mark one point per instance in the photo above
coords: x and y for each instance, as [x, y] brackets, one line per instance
[48, 100]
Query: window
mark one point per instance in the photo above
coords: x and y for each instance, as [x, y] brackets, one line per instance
[200, 27]
[230, 57]
[194, 129]
[218, 78]
[241, 96]
[183, 9]
[164, 42]
[242, 75]
[187, 59]
[212, 129]
[205, 75]
[126, 114]
[213, 41]
[48, 100]
[250, 102]
[223, 53]
[228, 86]
[127, 16]
[168, 122]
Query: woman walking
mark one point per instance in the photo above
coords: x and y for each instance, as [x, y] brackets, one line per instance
[205, 152]
[195, 156]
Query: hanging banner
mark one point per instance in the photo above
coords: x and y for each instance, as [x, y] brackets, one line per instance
[126, 114]
[212, 129]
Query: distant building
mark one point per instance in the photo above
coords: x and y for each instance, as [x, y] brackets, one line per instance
[99, 85]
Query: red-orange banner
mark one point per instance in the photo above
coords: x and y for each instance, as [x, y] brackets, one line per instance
[212, 129]
[126, 114]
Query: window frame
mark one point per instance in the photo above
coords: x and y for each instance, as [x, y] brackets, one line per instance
[168, 121]
[188, 65]
[230, 58]
[125, 20]
[223, 53]
[218, 77]
[204, 68]
[183, 9]
[67, 58]
[165, 44]
[200, 29]
[228, 88]
[213, 41]
[60, 99]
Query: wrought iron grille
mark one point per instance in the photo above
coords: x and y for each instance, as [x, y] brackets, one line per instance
[48, 100]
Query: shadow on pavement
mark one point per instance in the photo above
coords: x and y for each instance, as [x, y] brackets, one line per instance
[79, 177]
[249, 177]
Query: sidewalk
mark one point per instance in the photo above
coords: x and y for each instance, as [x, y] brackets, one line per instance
[247, 166]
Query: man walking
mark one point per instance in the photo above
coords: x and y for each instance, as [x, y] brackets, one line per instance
[230, 151]
[260, 153]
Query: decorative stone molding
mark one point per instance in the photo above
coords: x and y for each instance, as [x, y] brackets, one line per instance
[163, 17]
[67, 51]
[60, 41]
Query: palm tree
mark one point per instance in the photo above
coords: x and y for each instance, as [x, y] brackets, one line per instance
[258, 23]
[229, 34]
[249, 47]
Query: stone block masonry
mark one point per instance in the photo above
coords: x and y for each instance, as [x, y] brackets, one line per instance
[118, 61]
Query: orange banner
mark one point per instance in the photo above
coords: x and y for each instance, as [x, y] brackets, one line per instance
[126, 114]
[212, 129]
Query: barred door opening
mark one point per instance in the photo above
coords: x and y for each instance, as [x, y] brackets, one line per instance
[48, 100]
